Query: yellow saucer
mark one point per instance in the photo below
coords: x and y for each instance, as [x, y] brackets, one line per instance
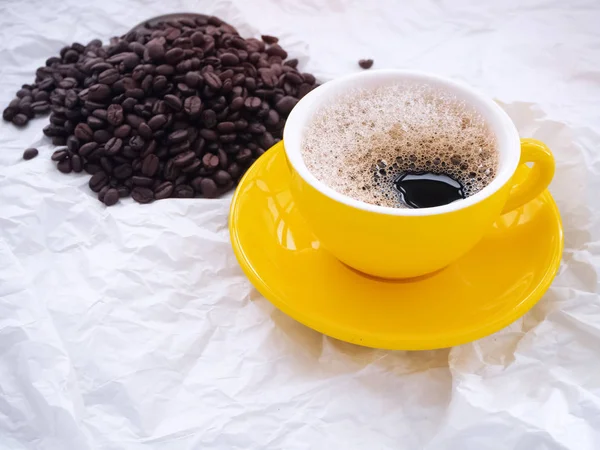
[490, 287]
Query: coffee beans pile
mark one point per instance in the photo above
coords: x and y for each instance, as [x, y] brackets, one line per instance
[175, 109]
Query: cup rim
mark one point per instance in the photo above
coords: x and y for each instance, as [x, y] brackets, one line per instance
[507, 137]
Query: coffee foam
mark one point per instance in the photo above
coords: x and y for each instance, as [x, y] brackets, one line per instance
[359, 144]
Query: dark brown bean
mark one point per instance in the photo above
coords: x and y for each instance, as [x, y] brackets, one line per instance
[173, 102]
[163, 190]
[208, 188]
[123, 131]
[267, 39]
[142, 195]
[122, 171]
[365, 63]
[183, 159]
[113, 146]
[150, 165]
[157, 122]
[193, 79]
[156, 50]
[60, 155]
[183, 191]
[111, 197]
[221, 177]
[109, 76]
[286, 104]
[252, 103]
[174, 55]
[99, 93]
[212, 80]
[20, 120]
[30, 153]
[76, 163]
[102, 136]
[192, 105]
[229, 59]
[98, 181]
[210, 161]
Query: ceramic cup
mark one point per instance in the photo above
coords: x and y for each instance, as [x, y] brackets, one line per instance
[402, 243]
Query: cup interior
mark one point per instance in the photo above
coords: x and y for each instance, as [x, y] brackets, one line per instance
[507, 138]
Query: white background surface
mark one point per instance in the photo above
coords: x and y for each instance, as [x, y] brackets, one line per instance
[134, 328]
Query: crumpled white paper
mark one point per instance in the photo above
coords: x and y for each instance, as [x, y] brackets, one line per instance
[133, 327]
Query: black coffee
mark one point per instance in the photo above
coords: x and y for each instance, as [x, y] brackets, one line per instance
[401, 145]
[427, 190]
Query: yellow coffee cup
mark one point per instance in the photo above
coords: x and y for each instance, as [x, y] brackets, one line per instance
[401, 243]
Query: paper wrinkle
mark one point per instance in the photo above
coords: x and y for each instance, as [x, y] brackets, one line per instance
[133, 327]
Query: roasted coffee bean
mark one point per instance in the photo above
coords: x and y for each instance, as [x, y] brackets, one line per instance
[64, 166]
[209, 135]
[183, 159]
[122, 171]
[212, 80]
[20, 120]
[226, 127]
[103, 192]
[142, 195]
[9, 113]
[174, 55]
[208, 188]
[76, 163]
[145, 131]
[183, 191]
[142, 180]
[109, 76]
[41, 107]
[111, 197]
[210, 161]
[123, 131]
[221, 177]
[123, 191]
[173, 102]
[137, 143]
[192, 105]
[86, 149]
[177, 136]
[30, 153]
[209, 118]
[106, 165]
[252, 103]
[95, 123]
[193, 79]
[286, 104]
[156, 50]
[102, 136]
[365, 63]
[269, 39]
[163, 190]
[73, 144]
[113, 146]
[99, 93]
[134, 120]
[83, 132]
[60, 155]
[150, 165]
[98, 181]
[193, 166]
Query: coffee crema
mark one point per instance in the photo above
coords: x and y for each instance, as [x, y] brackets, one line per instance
[403, 145]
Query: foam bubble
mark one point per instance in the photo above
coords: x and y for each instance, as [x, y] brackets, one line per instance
[360, 143]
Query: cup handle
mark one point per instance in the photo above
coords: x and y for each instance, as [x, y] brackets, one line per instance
[537, 179]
